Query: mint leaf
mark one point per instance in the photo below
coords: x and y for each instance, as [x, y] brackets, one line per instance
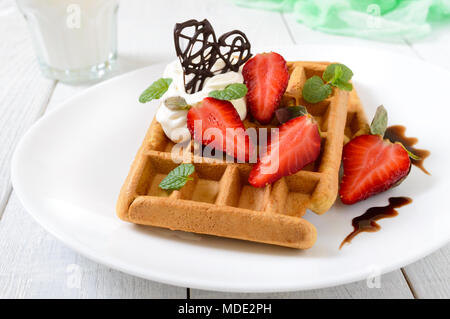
[346, 86]
[337, 72]
[231, 92]
[315, 90]
[285, 114]
[177, 177]
[176, 103]
[156, 90]
[379, 122]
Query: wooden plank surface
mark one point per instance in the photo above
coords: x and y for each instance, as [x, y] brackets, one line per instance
[34, 264]
[392, 285]
[24, 93]
[434, 48]
[303, 35]
[430, 276]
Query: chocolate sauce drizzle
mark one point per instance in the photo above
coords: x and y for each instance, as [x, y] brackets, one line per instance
[367, 221]
[202, 50]
[396, 133]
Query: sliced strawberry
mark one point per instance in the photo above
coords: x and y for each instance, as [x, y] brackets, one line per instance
[266, 76]
[220, 115]
[371, 166]
[297, 145]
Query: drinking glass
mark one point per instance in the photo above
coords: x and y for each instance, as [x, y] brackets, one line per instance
[74, 40]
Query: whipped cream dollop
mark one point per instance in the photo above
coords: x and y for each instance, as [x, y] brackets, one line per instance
[174, 122]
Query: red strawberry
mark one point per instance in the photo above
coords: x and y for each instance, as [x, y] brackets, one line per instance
[297, 145]
[371, 166]
[218, 114]
[266, 76]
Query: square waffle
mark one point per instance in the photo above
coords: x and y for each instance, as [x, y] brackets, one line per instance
[219, 200]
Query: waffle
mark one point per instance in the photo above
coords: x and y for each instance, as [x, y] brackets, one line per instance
[219, 200]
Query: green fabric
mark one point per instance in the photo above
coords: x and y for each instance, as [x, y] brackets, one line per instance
[388, 20]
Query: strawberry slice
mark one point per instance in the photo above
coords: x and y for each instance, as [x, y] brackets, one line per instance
[266, 76]
[297, 145]
[371, 166]
[215, 117]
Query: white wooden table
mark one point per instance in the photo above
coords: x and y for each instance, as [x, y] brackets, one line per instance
[34, 264]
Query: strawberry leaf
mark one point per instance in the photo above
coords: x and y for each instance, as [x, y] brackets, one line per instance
[285, 114]
[231, 92]
[156, 90]
[177, 177]
[379, 122]
[315, 90]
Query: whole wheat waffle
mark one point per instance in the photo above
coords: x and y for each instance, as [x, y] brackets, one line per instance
[220, 201]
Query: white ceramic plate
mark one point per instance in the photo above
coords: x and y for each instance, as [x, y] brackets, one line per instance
[69, 167]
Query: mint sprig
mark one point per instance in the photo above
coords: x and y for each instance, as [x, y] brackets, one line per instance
[337, 72]
[230, 92]
[177, 177]
[317, 89]
[346, 86]
[156, 90]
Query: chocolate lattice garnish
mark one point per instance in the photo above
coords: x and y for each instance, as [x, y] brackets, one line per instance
[202, 51]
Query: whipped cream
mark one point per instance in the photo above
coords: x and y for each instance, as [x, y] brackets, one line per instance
[174, 122]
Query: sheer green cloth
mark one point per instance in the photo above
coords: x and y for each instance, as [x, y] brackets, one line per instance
[386, 20]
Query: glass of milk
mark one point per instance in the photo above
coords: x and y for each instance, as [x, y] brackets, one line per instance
[75, 40]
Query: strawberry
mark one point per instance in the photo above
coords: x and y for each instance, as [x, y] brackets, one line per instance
[266, 76]
[221, 115]
[372, 165]
[297, 145]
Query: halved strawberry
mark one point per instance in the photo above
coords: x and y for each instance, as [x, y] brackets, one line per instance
[220, 115]
[297, 145]
[371, 166]
[266, 76]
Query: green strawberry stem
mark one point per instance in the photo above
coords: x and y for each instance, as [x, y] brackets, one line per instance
[411, 154]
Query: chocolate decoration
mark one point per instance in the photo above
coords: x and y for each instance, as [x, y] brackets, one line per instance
[367, 222]
[238, 50]
[396, 133]
[203, 50]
